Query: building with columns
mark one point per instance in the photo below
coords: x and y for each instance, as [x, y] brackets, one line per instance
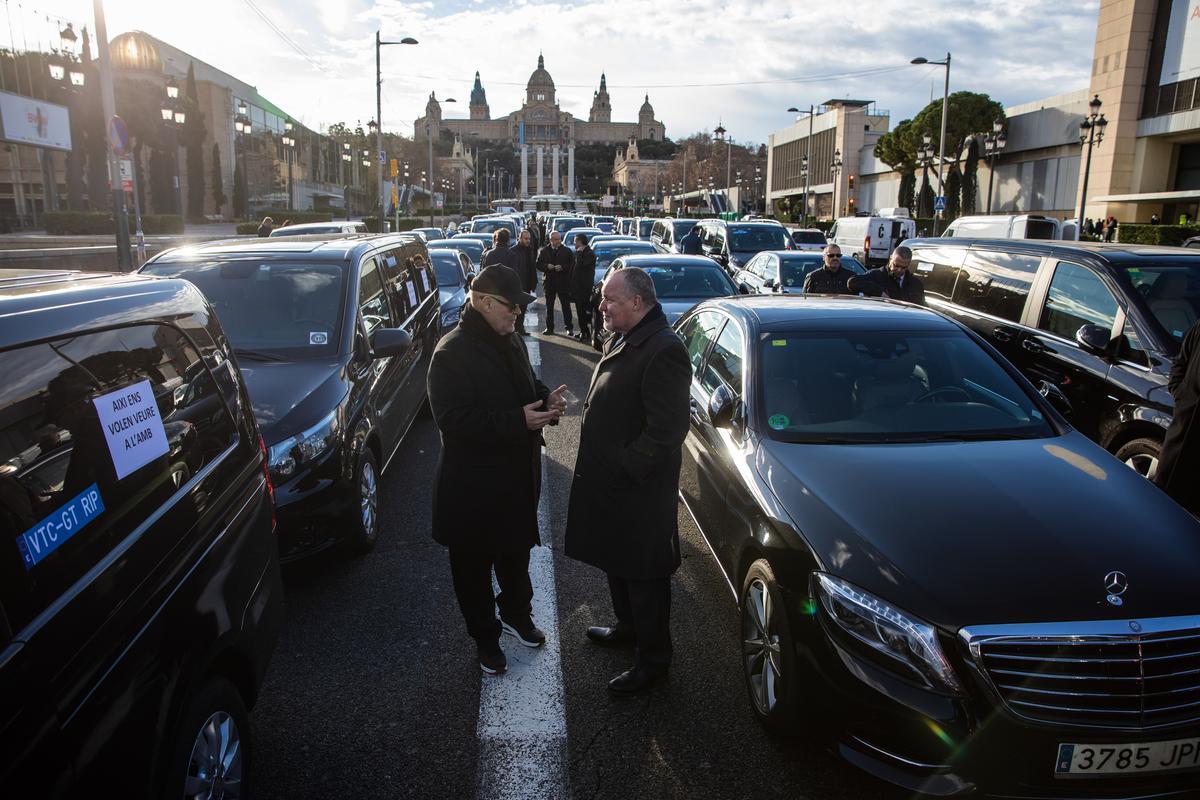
[633, 174]
[544, 134]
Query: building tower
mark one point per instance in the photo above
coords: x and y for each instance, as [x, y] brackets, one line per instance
[601, 107]
[646, 126]
[540, 89]
[479, 106]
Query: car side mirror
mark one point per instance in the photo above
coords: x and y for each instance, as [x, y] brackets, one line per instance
[743, 288]
[389, 342]
[769, 283]
[720, 407]
[1093, 338]
[1056, 398]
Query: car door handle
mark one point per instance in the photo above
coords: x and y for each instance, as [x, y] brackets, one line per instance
[1035, 346]
[1002, 334]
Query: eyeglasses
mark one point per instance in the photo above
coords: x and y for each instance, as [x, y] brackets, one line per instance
[510, 306]
[833, 255]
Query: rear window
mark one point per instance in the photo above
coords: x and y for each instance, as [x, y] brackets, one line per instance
[756, 238]
[808, 237]
[490, 225]
[681, 228]
[605, 253]
[644, 227]
[99, 432]
[692, 281]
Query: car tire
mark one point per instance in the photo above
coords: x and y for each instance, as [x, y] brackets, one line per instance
[1141, 455]
[768, 651]
[363, 523]
[210, 745]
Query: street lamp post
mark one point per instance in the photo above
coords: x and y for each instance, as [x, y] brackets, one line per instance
[924, 159]
[835, 167]
[174, 118]
[1091, 132]
[347, 180]
[993, 143]
[721, 134]
[807, 156]
[289, 152]
[241, 125]
[379, 44]
[941, 142]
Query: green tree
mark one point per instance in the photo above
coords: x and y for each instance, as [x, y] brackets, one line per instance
[908, 191]
[970, 187]
[925, 198]
[967, 115]
[953, 192]
[218, 180]
[193, 138]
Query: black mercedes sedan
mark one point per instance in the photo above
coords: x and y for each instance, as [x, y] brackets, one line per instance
[936, 573]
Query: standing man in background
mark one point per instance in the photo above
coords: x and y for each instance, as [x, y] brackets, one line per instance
[554, 262]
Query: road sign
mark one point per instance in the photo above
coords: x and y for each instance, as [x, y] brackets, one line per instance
[439, 200]
[382, 157]
[118, 135]
[939, 203]
[126, 175]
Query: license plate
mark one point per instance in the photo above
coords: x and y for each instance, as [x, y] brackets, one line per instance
[1124, 759]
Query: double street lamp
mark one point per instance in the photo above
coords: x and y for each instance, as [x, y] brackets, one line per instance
[1091, 132]
[925, 158]
[241, 125]
[380, 44]
[993, 143]
[289, 144]
[174, 118]
[720, 133]
[805, 159]
[835, 168]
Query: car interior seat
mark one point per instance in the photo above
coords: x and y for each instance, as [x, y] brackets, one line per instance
[1168, 301]
[891, 382]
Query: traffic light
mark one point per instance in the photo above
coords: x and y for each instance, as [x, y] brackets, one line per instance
[395, 169]
[851, 179]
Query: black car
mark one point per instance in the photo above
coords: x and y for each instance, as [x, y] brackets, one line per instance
[936, 574]
[140, 590]
[733, 244]
[334, 339]
[454, 275]
[784, 271]
[1101, 321]
[665, 233]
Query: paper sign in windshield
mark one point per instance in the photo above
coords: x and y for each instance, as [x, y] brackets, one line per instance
[132, 427]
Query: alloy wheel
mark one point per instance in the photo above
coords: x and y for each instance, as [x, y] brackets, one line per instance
[1144, 464]
[760, 646]
[368, 495]
[215, 767]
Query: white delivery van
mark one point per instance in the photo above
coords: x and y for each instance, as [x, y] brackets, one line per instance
[1011, 226]
[871, 240]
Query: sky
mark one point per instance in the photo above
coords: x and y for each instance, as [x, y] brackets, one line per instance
[740, 63]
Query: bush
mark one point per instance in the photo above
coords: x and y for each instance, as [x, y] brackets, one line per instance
[83, 223]
[159, 224]
[406, 223]
[1171, 235]
[244, 228]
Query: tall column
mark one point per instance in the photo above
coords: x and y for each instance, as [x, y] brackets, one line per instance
[555, 185]
[571, 169]
[524, 170]
[541, 188]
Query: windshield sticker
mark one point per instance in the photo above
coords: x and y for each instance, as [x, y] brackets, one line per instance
[132, 427]
[318, 337]
[45, 537]
[779, 343]
[778, 422]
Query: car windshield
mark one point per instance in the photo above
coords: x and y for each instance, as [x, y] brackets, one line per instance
[561, 225]
[1171, 292]
[808, 237]
[471, 247]
[692, 281]
[489, 225]
[448, 270]
[890, 386]
[755, 238]
[795, 266]
[293, 309]
[605, 253]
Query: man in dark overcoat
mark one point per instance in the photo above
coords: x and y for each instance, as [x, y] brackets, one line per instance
[490, 409]
[583, 279]
[1179, 462]
[623, 507]
[499, 252]
[895, 280]
[524, 256]
[554, 262]
[832, 277]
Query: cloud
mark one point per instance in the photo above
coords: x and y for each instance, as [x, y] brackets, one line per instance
[1015, 50]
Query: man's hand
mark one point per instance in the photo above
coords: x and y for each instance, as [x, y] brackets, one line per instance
[536, 420]
[555, 402]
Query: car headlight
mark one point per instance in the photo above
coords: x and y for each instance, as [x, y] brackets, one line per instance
[451, 317]
[887, 630]
[289, 455]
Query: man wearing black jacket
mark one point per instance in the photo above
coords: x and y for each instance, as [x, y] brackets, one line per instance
[583, 278]
[499, 252]
[524, 262]
[831, 278]
[555, 263]
[894, 281]
[490, 409]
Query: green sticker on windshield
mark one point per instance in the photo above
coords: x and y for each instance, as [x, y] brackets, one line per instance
[779, 343]
[778, 422]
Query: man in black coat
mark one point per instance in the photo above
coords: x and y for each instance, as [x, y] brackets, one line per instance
[622, 512]
[554, 262]
[894, 280]
[499, 252]
[490, 409]
[1179, 462]
[832, 278]
[525, 264]
[583, 278]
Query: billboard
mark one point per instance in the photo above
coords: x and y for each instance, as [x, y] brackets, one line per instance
[27, 120]
[1181, 55]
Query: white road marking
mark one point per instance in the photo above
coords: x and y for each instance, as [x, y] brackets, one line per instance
[522, 719]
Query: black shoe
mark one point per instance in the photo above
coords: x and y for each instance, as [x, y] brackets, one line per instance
[636, 680]
[491, 657]
[612, 637]
[527, 634]
[571, 332]
[548, 332]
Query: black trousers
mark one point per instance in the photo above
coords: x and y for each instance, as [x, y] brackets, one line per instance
[644, 606]
[554, 293]
[584, 310]
[472, 573]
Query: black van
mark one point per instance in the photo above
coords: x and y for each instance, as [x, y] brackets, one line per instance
[140, 594]
[733, 244]
[334, 337]
[1102, 322]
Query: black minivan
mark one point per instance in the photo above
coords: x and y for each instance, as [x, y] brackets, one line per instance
[1101, 322]
[334, 337]
[140, 591]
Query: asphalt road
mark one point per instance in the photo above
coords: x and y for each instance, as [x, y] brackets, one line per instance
[374, 691]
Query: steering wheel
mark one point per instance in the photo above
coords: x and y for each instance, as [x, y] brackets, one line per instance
[944, 390]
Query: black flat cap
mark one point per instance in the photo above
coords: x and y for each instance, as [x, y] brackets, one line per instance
[502, 282]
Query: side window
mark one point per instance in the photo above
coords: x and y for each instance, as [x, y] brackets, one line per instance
[996, 283]
[1131, 346]
[372, 300]
[754, 267]
[101, 432]
[938, 268]
[1077, 297]
[718, 239]
[698, 333]
[724, 363]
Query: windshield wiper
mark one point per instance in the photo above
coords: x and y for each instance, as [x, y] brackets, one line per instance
[257, 355]
[977, 436]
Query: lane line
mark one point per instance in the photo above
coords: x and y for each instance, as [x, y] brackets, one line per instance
[522, 717]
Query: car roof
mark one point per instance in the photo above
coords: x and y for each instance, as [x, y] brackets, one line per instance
[451, 242]
[446, 252]
[304, 226]
[1114, 251]
[673, 259]
[798, 312]
[641, 243]
[339, 247]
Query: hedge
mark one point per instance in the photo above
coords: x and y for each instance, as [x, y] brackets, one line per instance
[83, 223]
[1172, 235]
[247, 227]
